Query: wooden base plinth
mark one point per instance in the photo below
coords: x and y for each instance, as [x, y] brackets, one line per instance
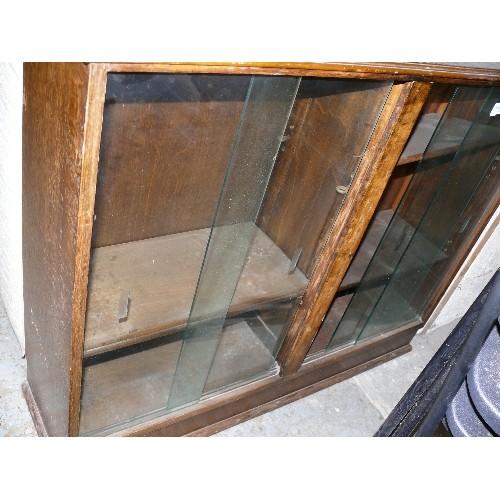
[233, 407]
[34, 411]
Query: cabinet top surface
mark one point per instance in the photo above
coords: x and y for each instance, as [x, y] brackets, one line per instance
[473, 72]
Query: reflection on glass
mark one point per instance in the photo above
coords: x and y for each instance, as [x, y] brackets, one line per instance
[215, 196]
[262, 127]
[421, 240]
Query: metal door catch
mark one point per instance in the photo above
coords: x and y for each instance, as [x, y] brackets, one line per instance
[295, 261]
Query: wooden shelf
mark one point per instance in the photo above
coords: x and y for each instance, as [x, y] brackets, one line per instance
[330, 323]
[449, 143]
[420, 138]
[421, 253]
[161, 275]
[125, 388]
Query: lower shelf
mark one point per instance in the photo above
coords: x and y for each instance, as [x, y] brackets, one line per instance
[330, 323]
[235, 406]
[389, 237]
[448, 140]
[366, 250]
[121, 390]
[225, 409]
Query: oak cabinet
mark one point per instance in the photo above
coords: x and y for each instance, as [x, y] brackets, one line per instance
[205, 242]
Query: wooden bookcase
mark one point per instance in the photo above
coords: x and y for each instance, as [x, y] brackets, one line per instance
[206, 242]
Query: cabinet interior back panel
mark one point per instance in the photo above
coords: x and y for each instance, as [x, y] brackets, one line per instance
[326, 137]
[161, 168]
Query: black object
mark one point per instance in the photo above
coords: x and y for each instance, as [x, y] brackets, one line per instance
[424, 405]
[483, 381]
[462, 418]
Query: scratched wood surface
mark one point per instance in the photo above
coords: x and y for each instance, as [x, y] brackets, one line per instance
[53, 119]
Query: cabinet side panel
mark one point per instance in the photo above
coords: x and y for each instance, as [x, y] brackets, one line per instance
[53, 123]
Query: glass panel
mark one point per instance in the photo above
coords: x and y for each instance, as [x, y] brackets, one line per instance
[422, 238]
[165, 145]
[268, 319]
[262, 127]
[215, 196]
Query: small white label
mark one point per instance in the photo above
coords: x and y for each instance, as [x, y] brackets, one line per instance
[496, 109]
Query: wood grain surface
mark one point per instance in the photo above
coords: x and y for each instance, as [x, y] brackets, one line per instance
[327, 134]
[161, 168]
[161, 275]
[63, 109]
[55, 97]
[433, 72]
[90, 157]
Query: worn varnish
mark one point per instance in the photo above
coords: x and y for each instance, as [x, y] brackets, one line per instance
[374, 71]
[55, 98]
[62, 124]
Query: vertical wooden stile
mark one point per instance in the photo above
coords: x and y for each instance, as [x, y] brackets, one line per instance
[90, 159]
[388, 140]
